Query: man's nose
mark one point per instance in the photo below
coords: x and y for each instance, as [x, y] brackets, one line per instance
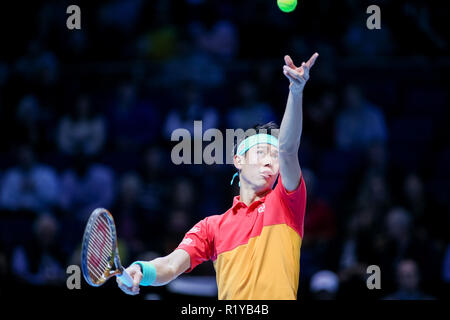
[267, 160]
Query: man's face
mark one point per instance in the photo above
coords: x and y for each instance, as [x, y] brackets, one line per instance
[259, 166]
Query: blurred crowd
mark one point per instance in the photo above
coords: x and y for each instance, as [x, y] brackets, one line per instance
[88, 114]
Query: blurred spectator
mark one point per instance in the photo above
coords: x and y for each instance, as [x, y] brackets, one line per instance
[132, 120]
[374, 192]
[4, 270]
[270, 91]
[376, 158]
[414, 195]
[446, 266]
[429, 219]
[324, 285]
[402, 240]
[76, 45]
[320, 219]
[420, 15]
[357, 245]
[86, 186]
[41, 262]
[250, 109]
[140, 228]
[30, 185]
[185, 197]
[154, 175]
[319, 118]
[353, 283]
[361, 41]
[192, 109]
[38, 63]
[30, 122]
[408, 283]
[82, 131]
[222, 40]
[320, 228]
[159, 43]
[193, 64]
[178, 223]
[120, 15]
[398, 226]
[360, 123]
[129, 214]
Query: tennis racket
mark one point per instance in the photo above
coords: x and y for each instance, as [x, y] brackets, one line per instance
[99, 253]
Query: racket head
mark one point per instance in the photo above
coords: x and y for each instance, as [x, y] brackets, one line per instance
[99, 254]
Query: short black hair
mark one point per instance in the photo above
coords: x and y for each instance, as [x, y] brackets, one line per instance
[271, 128]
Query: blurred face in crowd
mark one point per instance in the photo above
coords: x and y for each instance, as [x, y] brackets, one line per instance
[28, 110]
[377, 187]
[259, 167]
[179, 221]
[184, 193]
[398, 223]
[45, 229]
[408, 275]
[413, 188]
[130, 188]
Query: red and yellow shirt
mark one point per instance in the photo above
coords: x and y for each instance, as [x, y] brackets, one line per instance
[255, 249]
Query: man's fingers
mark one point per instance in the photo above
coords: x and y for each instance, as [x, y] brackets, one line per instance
[294, 74]
[304, 71]
[137, 280]
[312, 60]
[291, 79]
[126, 289]
[289, 62]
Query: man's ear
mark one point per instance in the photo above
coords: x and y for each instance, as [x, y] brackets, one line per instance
[238, 161]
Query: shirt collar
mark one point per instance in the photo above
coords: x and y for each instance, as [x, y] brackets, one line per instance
[237, 203]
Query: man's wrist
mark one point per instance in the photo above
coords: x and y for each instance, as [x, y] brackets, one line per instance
[296, 87]
[148, 272]
[296, 92]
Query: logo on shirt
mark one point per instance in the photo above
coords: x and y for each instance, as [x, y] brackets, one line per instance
[187, 241]
[261, 208]
[194, 230]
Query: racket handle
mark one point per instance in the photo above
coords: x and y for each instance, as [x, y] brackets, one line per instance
[126, 279]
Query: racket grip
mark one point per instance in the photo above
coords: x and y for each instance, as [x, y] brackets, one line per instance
[126, 279]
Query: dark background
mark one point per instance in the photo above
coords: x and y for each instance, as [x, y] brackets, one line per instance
[86, 118]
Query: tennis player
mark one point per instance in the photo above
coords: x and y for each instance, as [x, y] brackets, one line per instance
[255, 245]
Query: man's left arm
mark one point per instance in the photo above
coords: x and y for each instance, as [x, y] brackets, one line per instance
[291, 125]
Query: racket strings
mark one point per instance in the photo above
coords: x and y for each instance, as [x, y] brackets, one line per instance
[100, 248]
[99, 252]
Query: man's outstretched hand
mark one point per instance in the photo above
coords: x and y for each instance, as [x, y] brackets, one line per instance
[298, 76]
[135, 273]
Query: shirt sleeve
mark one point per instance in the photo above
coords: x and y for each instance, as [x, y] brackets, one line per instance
[198, 243]
[294, 202]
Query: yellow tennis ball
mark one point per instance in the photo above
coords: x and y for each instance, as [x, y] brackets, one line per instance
[287, 5]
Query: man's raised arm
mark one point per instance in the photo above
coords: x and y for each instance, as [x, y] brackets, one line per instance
[291, 125]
